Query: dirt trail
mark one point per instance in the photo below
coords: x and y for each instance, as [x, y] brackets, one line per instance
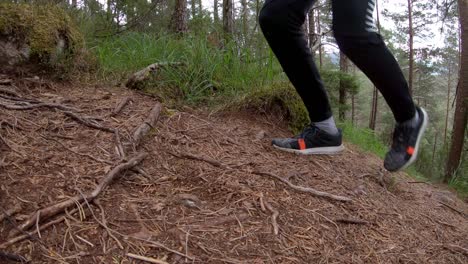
[203, 194]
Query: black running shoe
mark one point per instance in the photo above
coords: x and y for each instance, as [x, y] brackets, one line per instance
[406, 138]
[311, 141]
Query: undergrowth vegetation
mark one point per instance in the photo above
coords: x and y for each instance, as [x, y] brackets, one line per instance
[227, 78]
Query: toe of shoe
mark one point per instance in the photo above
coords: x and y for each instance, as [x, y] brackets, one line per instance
[281, 142]
[394, 162]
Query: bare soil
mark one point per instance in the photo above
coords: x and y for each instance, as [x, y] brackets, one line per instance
[198, 196]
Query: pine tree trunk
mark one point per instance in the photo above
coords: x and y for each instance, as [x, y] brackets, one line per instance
[193, 8]
[312, 35]
[319, 30]
[375, 93]
[353, 113]
[244, 18]
[215, 12]
[343, 88]
[434, 148]
[460, 118]
[411, 50]
[448, 104]
[227, 19]
[178, 20]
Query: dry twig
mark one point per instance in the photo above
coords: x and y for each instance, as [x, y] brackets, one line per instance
[30, 234]
[147, 259]
[352, 221]
[50, 211]
[261, 173]
[453, 209]
[274, 216]
[456, 248]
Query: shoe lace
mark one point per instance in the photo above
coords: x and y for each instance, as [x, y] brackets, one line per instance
[309, 131]
[399, 138]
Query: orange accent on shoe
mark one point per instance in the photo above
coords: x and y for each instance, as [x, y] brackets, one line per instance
[301, 142]
[410, 150]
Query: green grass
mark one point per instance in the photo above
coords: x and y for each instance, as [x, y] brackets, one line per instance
[363, 137]
[208, 71]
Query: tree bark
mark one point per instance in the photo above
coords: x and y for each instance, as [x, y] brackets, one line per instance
[312, 36]
[244, 18]
[215, 12]
[343, 89]
[411, 50]
[178, 20]
[194, 8]
[460, 118]
[448, 104]
[319, 29]
[227, 19]
[375, 93]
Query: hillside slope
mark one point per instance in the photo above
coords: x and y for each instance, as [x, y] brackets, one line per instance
[206, 192]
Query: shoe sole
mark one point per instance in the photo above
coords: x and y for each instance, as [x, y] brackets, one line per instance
[314, 151]
[416, 148]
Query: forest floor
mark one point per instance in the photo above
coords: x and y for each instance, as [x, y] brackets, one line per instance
[211, 189]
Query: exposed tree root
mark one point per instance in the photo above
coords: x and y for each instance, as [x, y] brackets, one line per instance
[31, 234]
[261, 173]
[274, 216]
[89, 122]
[55, 209]
[12, 257]
[10, 212]
[121, 105]
[146, 126]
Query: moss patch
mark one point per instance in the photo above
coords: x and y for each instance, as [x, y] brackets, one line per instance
[41, 27]
[279, 99]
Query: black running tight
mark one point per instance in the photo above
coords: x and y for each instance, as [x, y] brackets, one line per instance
[355, 33]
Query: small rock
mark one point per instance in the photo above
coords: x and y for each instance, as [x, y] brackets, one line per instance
[360, 190]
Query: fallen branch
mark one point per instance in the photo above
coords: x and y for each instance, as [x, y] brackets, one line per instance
[142, 75]
[274, 216]
[53, 210]
[260, 173]
[120, 106]
[149, 123]
[147, 259]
